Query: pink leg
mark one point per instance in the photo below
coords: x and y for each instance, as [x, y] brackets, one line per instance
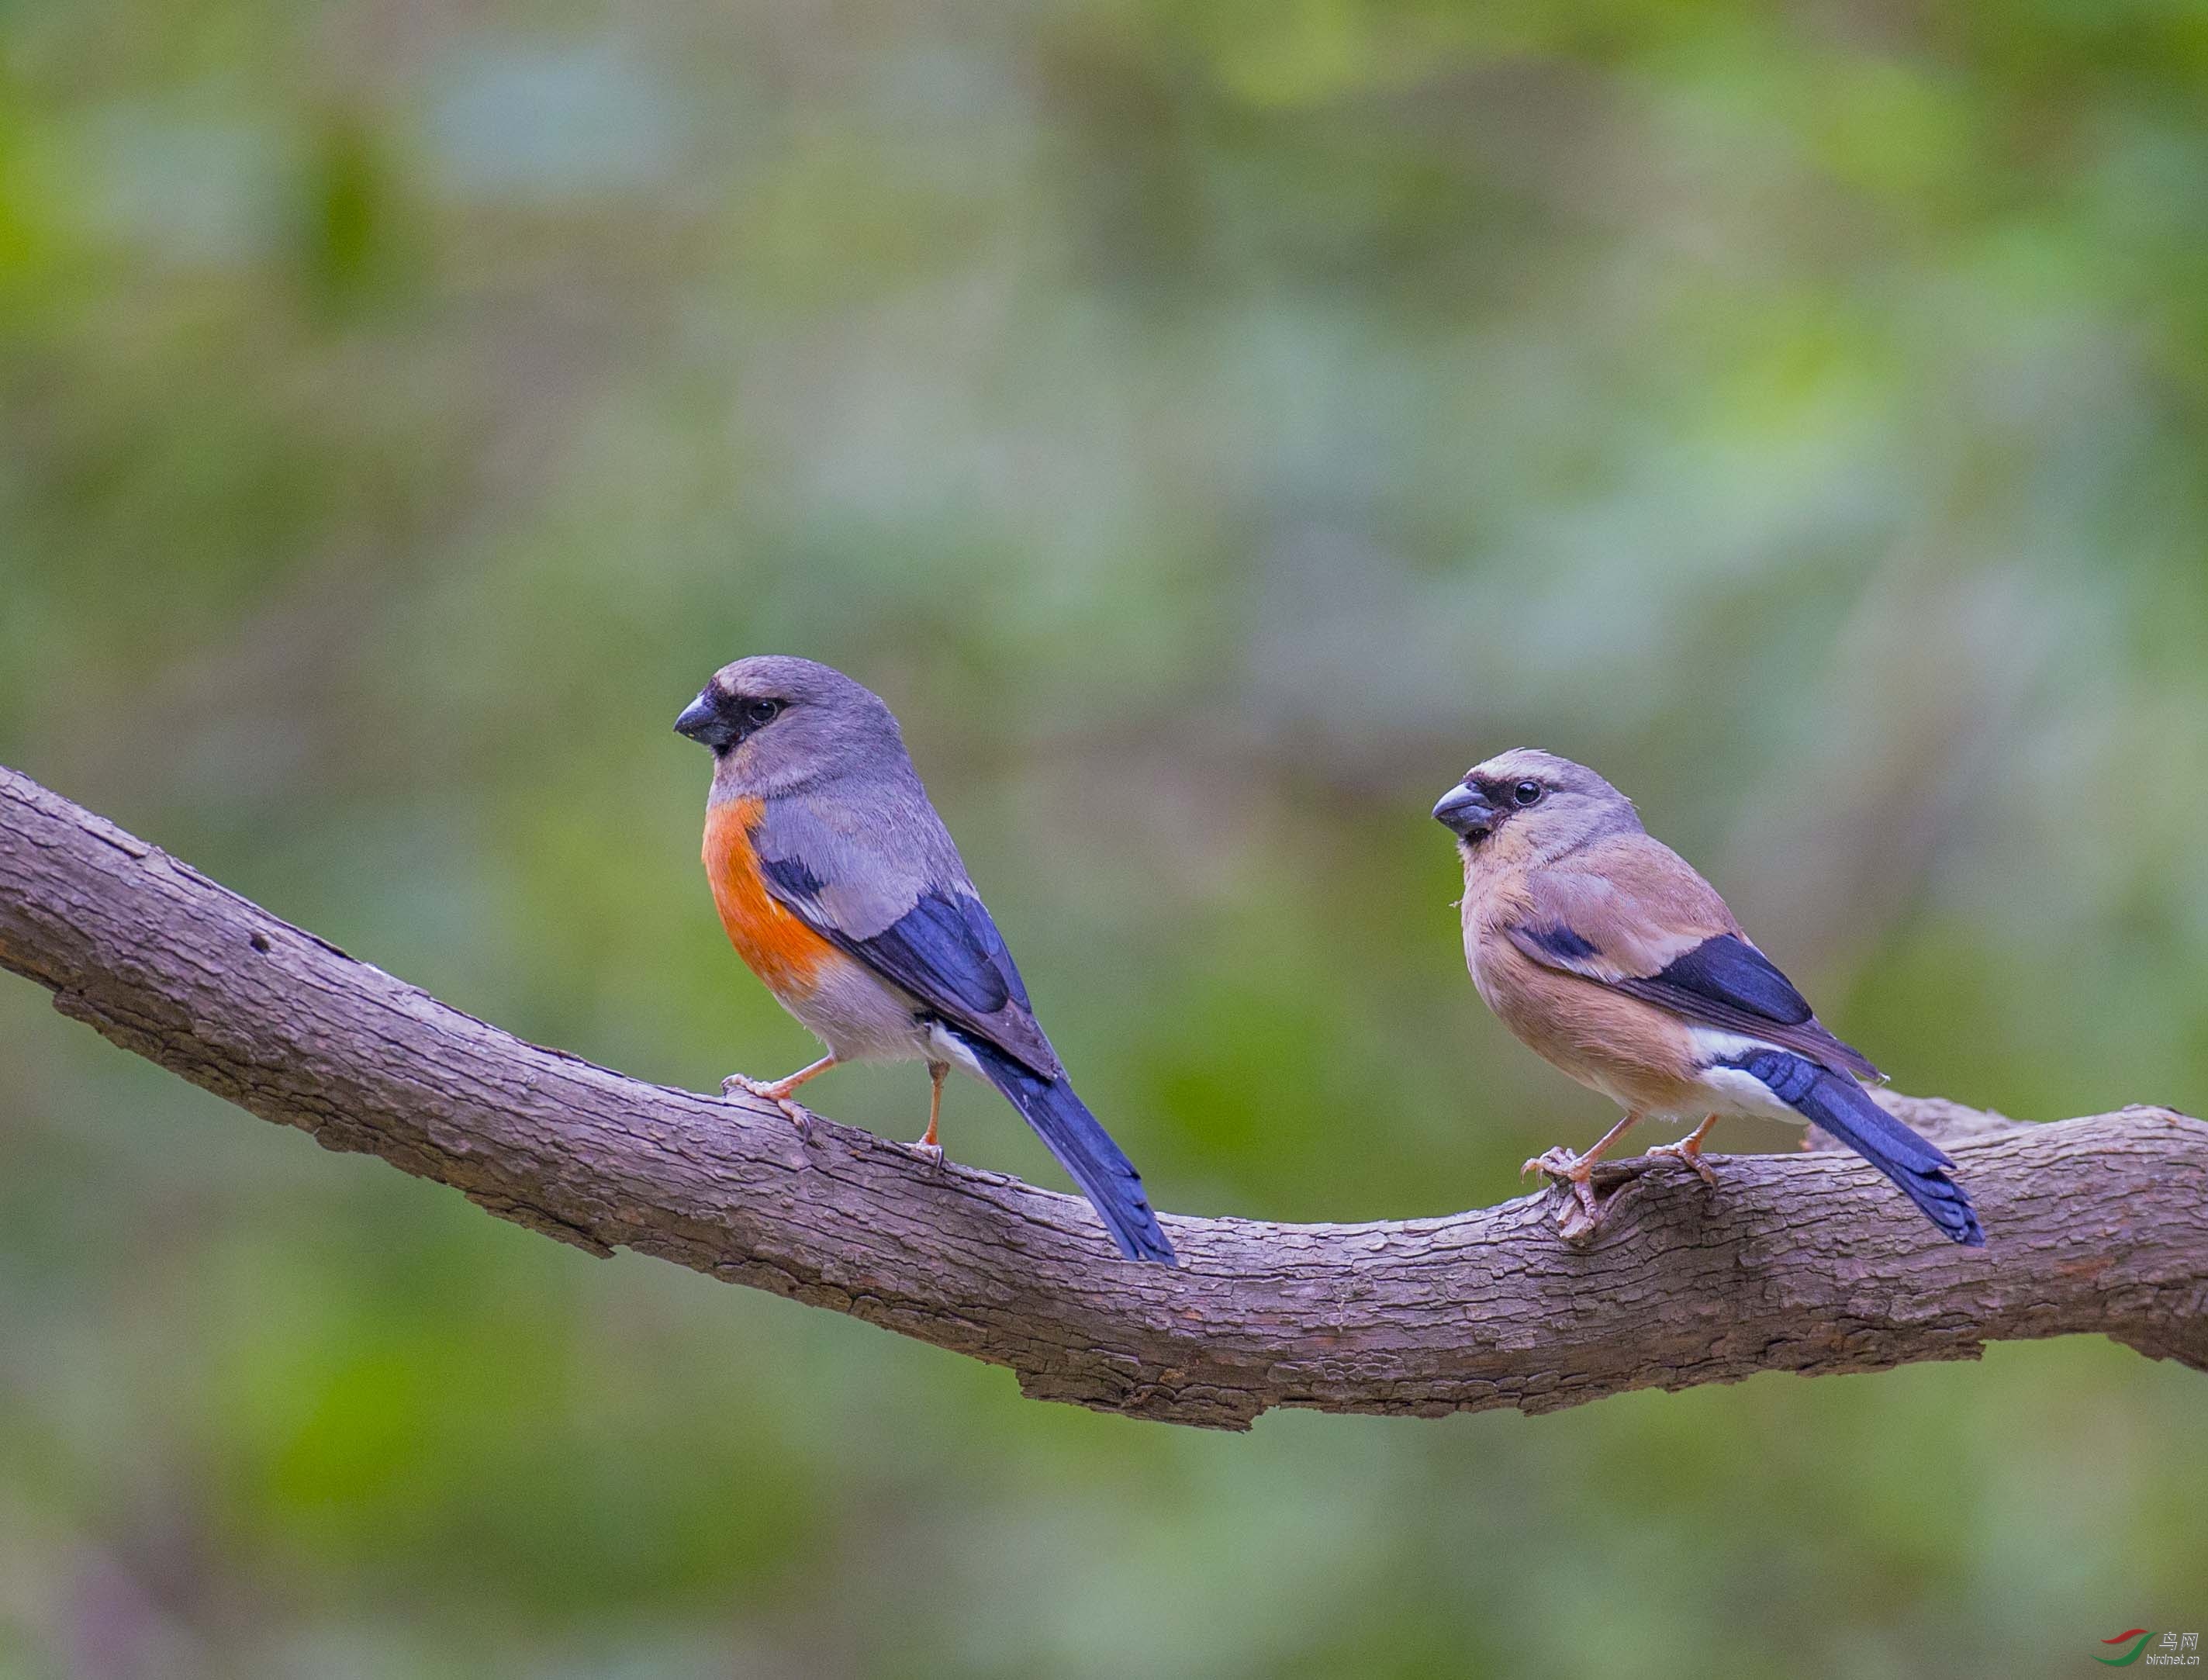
[777, 1091]
[1690, 1150]
[1561, 1165]
[937, 1071]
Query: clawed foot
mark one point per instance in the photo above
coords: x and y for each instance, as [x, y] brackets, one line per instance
[1691, 1157]
[930, 1153]
[1582, 1210]
[776, 1092]
[1559, 1163]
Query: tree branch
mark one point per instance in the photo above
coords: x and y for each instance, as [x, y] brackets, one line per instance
[1805, 1262]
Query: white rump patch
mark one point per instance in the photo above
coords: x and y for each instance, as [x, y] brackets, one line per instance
[1735, 1090]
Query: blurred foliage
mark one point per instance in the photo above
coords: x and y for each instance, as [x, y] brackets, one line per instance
[1212, 427]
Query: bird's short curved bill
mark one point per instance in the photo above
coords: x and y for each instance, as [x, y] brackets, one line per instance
[1465, 812]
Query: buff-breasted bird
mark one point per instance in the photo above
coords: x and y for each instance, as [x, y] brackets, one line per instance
[1603, 950]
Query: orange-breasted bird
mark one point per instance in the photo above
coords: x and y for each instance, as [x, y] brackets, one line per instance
[840, 890]
[1602, 949]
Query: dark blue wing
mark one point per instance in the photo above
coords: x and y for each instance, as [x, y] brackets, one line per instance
[945, 951]
[1559, 941]
[1724, 982]
[1731, 973]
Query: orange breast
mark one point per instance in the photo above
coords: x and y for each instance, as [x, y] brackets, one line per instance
[776, 946]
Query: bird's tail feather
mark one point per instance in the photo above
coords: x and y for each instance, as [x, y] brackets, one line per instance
[1083, 1148]
[1843, 1108]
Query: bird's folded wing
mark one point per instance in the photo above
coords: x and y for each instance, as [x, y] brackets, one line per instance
[1633, 915]
[902, 905]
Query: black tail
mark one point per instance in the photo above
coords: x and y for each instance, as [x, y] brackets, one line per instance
[1843, 1108]
[1083, 1148]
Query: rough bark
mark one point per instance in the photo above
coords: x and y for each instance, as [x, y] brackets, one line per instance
[1808, 1262]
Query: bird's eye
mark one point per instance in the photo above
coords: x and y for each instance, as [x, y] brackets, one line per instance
[1526, 792]
[759, 713]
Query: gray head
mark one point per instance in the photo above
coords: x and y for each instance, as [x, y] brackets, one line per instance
[776, 723]
[1532, 804]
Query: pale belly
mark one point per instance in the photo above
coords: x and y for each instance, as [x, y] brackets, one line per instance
[863, 1019]
[859, 1017]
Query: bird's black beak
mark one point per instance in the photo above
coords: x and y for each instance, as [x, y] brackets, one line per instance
[702, 722]
[1464, 812]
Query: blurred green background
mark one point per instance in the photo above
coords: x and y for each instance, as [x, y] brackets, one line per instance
[1212, 427]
